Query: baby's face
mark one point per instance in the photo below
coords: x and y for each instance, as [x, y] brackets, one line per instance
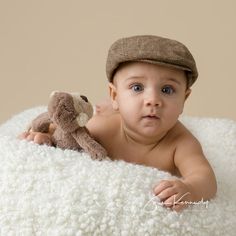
[149, 97]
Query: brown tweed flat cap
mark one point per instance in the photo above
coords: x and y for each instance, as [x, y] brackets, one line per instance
[151, 49]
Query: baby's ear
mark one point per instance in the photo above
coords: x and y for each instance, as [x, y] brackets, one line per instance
[187, 93]
[113, 96]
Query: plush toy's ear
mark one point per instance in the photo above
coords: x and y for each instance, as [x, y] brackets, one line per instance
[53, 93]
[82, 119]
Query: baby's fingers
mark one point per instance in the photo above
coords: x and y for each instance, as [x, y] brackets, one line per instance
[164, 184]
[167, 193]
[41, 138]
[36, 137]
[175, 202]
[169, 202]
[30, 136]
[23, 135]
[179, 207]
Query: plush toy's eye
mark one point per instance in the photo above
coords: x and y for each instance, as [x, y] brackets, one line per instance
[84, 98]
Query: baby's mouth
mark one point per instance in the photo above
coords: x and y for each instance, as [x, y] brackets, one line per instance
[151, 117]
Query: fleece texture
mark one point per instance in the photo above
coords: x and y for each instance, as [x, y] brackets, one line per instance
[50, 191]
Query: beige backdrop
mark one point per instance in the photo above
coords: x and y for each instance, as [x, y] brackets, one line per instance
[50, 45]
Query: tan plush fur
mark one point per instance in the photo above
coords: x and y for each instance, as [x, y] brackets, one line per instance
[69, 112]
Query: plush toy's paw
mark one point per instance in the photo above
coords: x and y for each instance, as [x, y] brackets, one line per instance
[99, 153]
[88, 144]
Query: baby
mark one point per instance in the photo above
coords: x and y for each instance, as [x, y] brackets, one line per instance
[149, 81]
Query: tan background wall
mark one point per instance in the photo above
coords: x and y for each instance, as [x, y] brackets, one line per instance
[50, 45]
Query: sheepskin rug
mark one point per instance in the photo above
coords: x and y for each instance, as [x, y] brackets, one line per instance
[49, 191]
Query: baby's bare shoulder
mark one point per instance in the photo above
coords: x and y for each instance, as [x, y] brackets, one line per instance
[187, 146]
[189, 156]
[183, 141]
[181, 134]
[100, 125]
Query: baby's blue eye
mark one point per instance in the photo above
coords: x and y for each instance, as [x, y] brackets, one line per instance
[168, 90]
[137, 88]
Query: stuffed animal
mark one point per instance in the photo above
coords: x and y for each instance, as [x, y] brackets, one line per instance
[69, 112]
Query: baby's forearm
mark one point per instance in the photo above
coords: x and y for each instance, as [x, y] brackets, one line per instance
[202, 185]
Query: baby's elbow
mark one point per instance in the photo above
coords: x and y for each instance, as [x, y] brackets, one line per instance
[212, 188]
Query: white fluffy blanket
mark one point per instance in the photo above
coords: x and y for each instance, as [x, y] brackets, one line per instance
[48, 191]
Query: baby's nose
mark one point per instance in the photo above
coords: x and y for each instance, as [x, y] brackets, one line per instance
[153, 99]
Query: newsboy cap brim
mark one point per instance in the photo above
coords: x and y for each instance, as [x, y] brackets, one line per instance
[151, 49]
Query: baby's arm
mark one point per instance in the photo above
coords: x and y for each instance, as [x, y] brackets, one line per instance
[198, 180]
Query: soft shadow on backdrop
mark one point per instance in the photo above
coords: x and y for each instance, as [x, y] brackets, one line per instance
[62, 45]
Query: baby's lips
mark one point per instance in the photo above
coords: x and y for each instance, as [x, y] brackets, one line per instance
[151, 117]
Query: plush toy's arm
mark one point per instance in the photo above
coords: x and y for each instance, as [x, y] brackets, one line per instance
[41, 123]
[88, 144]
[64, 117]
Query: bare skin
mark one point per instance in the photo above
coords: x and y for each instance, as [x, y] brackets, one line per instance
[37, 137]
[142, 118]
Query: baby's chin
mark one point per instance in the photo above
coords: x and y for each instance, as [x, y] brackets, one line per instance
[151, 133]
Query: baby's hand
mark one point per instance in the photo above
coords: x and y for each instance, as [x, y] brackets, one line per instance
[37, 137]
[173, 193]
